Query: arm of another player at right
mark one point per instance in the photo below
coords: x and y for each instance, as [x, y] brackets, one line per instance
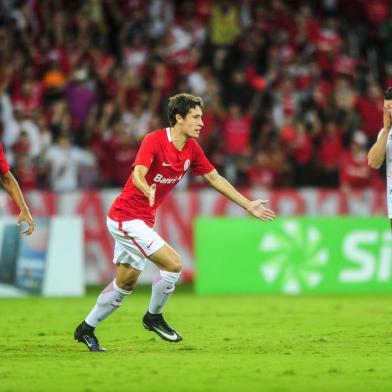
[255, 207]
[139, 180]
[10, 184]
[376, 154]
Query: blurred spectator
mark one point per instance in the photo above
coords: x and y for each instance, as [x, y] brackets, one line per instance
[122, 148]
[224, 23]
[329, 153]
[26, 172]
[302, 150]
[22, 145]
[354, 171]
[238, 92]
[286, 101]
[327, 41]
[137, 120]
[236, 128]
[28, 97]
[288, 79]
[135, 55]
[80, 98]
[64, 162]
[371, 107]
[236, 131]
[280, 163]
[161, 14]
[15, 122]
[24, 167]
[386, 35]
[53, 82]
[261, 172]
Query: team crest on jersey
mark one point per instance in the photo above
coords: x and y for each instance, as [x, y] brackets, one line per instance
[187, 163]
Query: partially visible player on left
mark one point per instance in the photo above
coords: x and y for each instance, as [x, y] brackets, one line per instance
[10, 184]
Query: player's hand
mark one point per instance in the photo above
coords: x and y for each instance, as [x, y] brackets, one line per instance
[24, 216]
[151, 196]
[257, 209]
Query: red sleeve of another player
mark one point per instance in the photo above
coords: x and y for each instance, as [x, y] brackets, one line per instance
[146, 152]
[4, 166]
[200, 164]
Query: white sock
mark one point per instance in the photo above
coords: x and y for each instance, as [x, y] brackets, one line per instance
[108, 301]
[162, 290]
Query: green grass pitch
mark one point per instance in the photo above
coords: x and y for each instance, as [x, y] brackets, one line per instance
[231, 343]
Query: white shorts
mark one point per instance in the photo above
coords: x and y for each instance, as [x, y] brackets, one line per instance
[134, 242]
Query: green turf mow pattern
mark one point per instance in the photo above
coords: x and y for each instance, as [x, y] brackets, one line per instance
[231, 343]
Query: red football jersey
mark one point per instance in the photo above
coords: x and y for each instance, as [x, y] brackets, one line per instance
[4, 166]
[166, 166]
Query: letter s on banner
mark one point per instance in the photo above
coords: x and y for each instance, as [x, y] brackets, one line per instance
[365, 267]
[385, 265]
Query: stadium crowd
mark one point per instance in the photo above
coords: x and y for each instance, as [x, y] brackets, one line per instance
[293, 90]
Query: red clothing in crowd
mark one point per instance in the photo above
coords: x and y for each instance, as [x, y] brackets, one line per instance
[330, 151]
[4, 166]
[236, 133]
[371, 115]
[376, 10]
[302, 148]
[121, 158]
[264, 177]
[354, 171]
[101, 149]
[27, 176]
[344, 64]
[210, 121]
[29, 102]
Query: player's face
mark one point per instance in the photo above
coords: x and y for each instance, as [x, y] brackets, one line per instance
[192, 123]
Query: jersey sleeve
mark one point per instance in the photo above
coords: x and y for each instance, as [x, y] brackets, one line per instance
[4, 166]
[147, 151]
[200, 165]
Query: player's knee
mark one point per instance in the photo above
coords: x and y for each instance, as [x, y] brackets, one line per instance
[126, 278]
[127, 283]
[175, 264]
[128, 286]
[124, 290]
[176, 268]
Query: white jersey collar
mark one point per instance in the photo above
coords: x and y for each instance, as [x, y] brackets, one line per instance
[168, 134]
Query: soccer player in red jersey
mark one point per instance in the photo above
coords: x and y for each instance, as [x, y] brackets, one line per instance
[163, 159]
[10, 184]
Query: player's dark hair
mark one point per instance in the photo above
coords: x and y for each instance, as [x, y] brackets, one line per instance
[181, 104]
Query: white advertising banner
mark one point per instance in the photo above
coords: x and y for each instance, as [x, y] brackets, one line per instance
[49, 262]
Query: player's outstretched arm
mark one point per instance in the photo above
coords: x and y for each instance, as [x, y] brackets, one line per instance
[10, 184]
[256, 207]
[139, 180]
[376, 153]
